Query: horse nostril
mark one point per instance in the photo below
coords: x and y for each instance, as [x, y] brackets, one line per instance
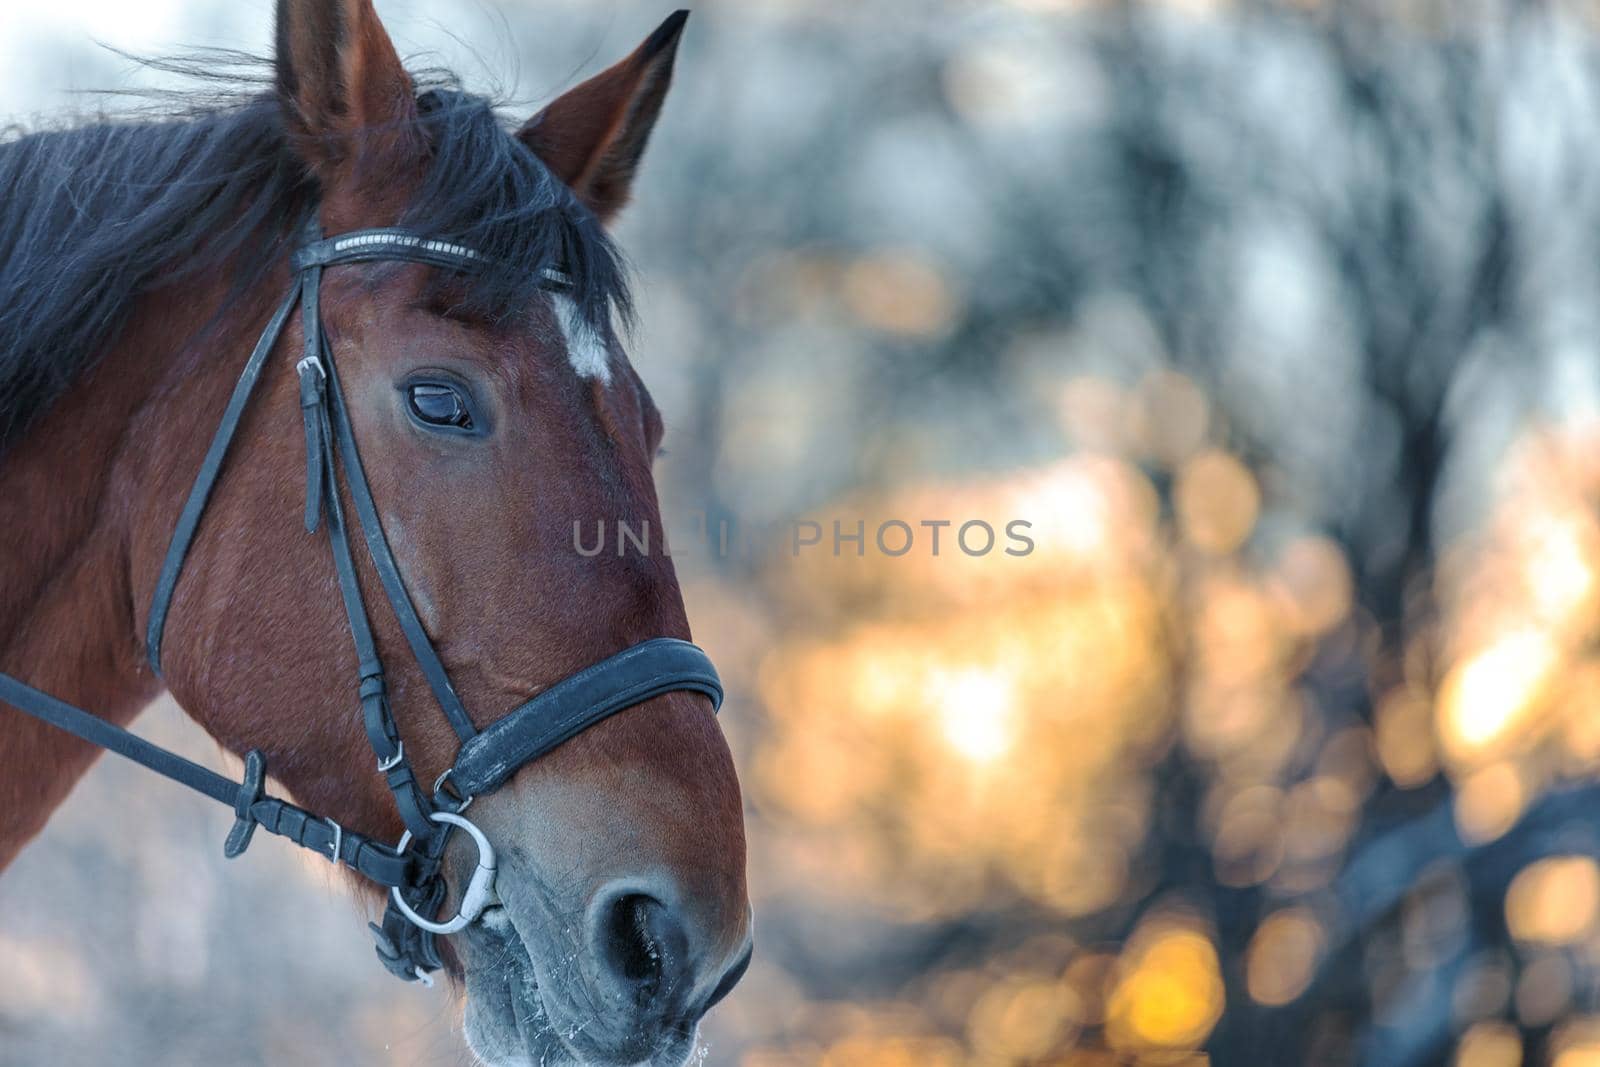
[730, 979]
[646, 951]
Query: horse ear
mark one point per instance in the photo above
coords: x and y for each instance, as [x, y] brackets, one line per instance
[592, 136]
[343, 89]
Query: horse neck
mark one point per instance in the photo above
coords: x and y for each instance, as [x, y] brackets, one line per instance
[71, 493]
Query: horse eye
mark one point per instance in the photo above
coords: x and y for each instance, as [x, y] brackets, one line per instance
[439, 405]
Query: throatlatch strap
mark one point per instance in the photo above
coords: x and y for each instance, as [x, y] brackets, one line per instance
[252, 807]
[97, 731]
[210, 468]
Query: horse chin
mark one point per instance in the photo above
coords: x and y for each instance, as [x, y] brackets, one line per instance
[508, 1023]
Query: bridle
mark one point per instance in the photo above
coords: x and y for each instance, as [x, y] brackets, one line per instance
[411, 870]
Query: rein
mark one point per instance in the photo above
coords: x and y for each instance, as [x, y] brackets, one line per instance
[412, 869]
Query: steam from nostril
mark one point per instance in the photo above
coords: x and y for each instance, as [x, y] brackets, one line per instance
[645, 948]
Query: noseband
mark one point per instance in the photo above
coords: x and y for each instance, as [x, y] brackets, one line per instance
[412, 870]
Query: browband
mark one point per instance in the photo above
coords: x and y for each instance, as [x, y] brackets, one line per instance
[365, 246]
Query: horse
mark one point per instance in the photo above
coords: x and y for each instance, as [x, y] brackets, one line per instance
[140, 259]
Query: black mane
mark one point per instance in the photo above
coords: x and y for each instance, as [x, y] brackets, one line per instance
[95, 215]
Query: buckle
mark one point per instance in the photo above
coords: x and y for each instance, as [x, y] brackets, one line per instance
[480, 888]
[313, 363]
[338, 841]
[387, 765]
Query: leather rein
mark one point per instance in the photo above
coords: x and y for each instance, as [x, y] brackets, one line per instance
[411, 870]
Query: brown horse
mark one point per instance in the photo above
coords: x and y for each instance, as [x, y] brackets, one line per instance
[138, 263]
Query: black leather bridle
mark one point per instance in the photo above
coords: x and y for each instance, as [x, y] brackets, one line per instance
[412, 869]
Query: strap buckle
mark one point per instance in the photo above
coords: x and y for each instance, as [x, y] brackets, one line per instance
[387, 765]
[338, 841]
[480, 888]
[310, 363]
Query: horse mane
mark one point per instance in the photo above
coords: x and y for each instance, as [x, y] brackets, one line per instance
[98, 213]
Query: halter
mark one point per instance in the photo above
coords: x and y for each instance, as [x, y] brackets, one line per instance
[411, 869]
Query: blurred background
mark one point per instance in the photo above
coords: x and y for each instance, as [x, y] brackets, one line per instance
[1278, 323]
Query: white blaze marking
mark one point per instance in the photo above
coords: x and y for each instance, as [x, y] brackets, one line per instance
[586, 350]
